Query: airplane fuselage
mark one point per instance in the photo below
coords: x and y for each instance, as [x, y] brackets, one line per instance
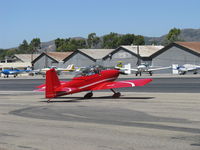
[88, 82]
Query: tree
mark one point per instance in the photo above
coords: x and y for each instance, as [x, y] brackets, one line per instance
[111, 40]
[139, 40]
[173, 36]
[63, 45]
[93, 40]
[24, 47]
[35, 44]
[126, 39]
[59, 42]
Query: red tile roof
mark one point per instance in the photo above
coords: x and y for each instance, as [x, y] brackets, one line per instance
[195, 46]
[59, 56]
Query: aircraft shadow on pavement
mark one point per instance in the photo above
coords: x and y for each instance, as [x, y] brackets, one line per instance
[80, 99]
[64, 100]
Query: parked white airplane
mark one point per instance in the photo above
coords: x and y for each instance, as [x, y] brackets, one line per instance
[142, 68]
[188, 68]
[43, 71]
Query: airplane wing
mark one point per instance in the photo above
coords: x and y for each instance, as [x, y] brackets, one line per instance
[161, 68]
[193, 68]
[134, 69]
[121, 84]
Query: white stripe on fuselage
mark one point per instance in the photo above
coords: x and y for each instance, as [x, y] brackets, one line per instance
[100, 81]
[132, 84]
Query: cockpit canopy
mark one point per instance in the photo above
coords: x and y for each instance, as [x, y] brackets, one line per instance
[90, 71]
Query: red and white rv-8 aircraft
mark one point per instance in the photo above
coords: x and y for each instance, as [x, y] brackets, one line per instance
[90, 79]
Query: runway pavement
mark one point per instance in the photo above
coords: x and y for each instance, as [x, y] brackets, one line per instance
[136, 121]
[165, 84]
[150, 119]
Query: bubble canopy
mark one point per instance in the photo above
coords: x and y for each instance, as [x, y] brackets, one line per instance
[90, 71]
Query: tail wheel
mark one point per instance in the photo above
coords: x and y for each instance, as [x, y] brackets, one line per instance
[116, 95]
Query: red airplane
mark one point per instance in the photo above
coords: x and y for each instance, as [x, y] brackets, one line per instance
[90, 79]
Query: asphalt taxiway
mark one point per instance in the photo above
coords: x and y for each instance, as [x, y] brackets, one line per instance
[168, 84]
[136, 121]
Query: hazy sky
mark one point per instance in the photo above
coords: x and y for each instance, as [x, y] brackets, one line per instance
[50, 19]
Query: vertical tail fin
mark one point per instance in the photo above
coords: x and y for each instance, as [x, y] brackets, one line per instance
[52, 82]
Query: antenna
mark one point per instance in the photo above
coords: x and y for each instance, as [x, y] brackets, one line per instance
[138, 56]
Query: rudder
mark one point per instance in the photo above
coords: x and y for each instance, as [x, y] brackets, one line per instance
[52, 82]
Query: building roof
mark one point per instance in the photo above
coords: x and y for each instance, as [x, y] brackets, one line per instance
[58, 56]
[144, 50]
[194, 46]
[26, 57]
[15, 65]
[96, 53]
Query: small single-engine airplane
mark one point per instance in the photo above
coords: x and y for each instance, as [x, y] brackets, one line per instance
[70, 68]
[188, 68]
[90, 79]
[14, 72]
[142, 68]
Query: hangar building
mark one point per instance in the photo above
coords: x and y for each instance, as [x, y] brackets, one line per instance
[133, 54]
[86, 57]
[20, 61]
[50, 59]
[178, 53]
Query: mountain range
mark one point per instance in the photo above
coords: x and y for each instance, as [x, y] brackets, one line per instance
[186, 35]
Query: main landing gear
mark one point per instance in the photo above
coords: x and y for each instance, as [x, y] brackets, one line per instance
[138, 72]
[116, 94]
[88, 95]
[48, 101]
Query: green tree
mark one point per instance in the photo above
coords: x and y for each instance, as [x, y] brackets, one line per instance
[11, 52]
[173, 36]
[2, 54]
[24, 47]
[92, 40]
[34, 45]
[69, 44]
[126, 39]
[59, 42]
[139, 40]
[111, 40]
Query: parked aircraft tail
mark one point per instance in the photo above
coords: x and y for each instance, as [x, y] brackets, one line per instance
[52, 82]
[70, 68]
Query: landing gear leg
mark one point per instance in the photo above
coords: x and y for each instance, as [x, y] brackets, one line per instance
[195, 72]
[48, 101]
[116, 94]
[88, 95]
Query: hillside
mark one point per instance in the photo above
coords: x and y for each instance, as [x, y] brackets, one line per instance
[188, 35]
